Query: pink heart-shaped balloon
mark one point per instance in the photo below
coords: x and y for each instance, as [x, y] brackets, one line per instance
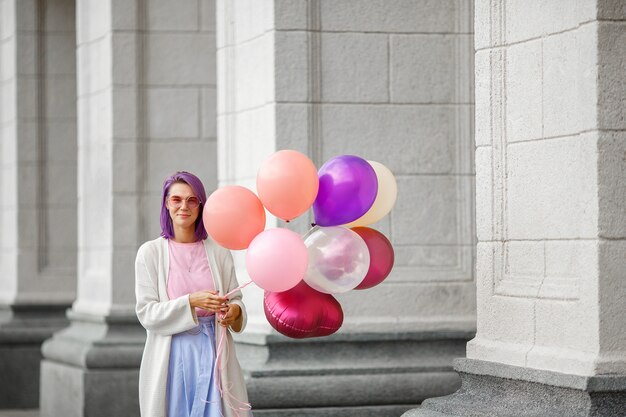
[303, 312]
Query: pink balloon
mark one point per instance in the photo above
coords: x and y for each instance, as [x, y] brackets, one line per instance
[233, 216]
[302, 312]
[287, 184]
[277, 259]
[381, 257]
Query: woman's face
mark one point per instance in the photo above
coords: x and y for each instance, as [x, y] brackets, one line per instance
[180, 203]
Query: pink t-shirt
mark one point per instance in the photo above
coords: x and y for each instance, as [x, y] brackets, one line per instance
[189, 271]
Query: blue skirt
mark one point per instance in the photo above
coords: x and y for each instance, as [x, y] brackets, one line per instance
[191, 384]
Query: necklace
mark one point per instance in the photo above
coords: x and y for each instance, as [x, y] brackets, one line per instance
[191, 256]
[187, 257]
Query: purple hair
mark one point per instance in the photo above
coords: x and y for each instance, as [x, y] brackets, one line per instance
[167, 230]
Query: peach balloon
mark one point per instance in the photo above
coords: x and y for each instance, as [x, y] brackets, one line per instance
[287, 184]
[233, 216]
[385, 199]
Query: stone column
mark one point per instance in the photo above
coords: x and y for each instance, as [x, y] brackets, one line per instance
[550, 170]
[38, 186]
[391, 82]
[146, 108]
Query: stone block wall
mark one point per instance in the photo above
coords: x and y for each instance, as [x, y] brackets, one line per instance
[388, 82]
[38, 153]
[146, 109]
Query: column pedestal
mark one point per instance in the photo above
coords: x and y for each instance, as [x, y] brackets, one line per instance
[498, 390]
[23, 328]
[95, 359]
[349, 374]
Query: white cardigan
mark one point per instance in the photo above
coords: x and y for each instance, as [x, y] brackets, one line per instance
[163, 318]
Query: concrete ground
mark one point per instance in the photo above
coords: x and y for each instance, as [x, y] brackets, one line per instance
[35, 413]
[395, 411]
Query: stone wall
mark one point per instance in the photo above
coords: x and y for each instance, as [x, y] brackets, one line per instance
[391, 82]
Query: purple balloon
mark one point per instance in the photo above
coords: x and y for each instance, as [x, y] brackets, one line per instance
[348, 188]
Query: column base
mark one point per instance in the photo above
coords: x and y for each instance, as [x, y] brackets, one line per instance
[23, 328]
[498, 390]
[348, 374]
[91, 368]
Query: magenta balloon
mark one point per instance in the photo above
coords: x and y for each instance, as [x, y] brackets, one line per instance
[348, 187]
[381, 257]
[302, 312]
[277, 259]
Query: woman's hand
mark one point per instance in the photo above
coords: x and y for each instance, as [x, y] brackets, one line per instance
[208, 300]
[231, 317]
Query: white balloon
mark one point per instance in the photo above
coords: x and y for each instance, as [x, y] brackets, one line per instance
[385, 198]
[338, 259]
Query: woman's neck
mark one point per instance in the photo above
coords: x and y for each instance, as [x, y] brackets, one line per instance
[184, 235]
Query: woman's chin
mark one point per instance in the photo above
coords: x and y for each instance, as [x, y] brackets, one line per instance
[185, 224]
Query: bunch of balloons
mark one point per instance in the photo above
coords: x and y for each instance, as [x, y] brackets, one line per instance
[339, 253]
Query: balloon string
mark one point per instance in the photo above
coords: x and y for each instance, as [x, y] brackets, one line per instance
[237, 289]
[216, 370]
[230, 400]
[313, 229]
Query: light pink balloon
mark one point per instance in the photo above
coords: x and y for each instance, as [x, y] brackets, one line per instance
[277, 260]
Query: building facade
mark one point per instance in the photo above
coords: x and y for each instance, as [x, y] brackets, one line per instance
[517, 203]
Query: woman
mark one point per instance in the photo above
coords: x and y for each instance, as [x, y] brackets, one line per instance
[181, 280]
